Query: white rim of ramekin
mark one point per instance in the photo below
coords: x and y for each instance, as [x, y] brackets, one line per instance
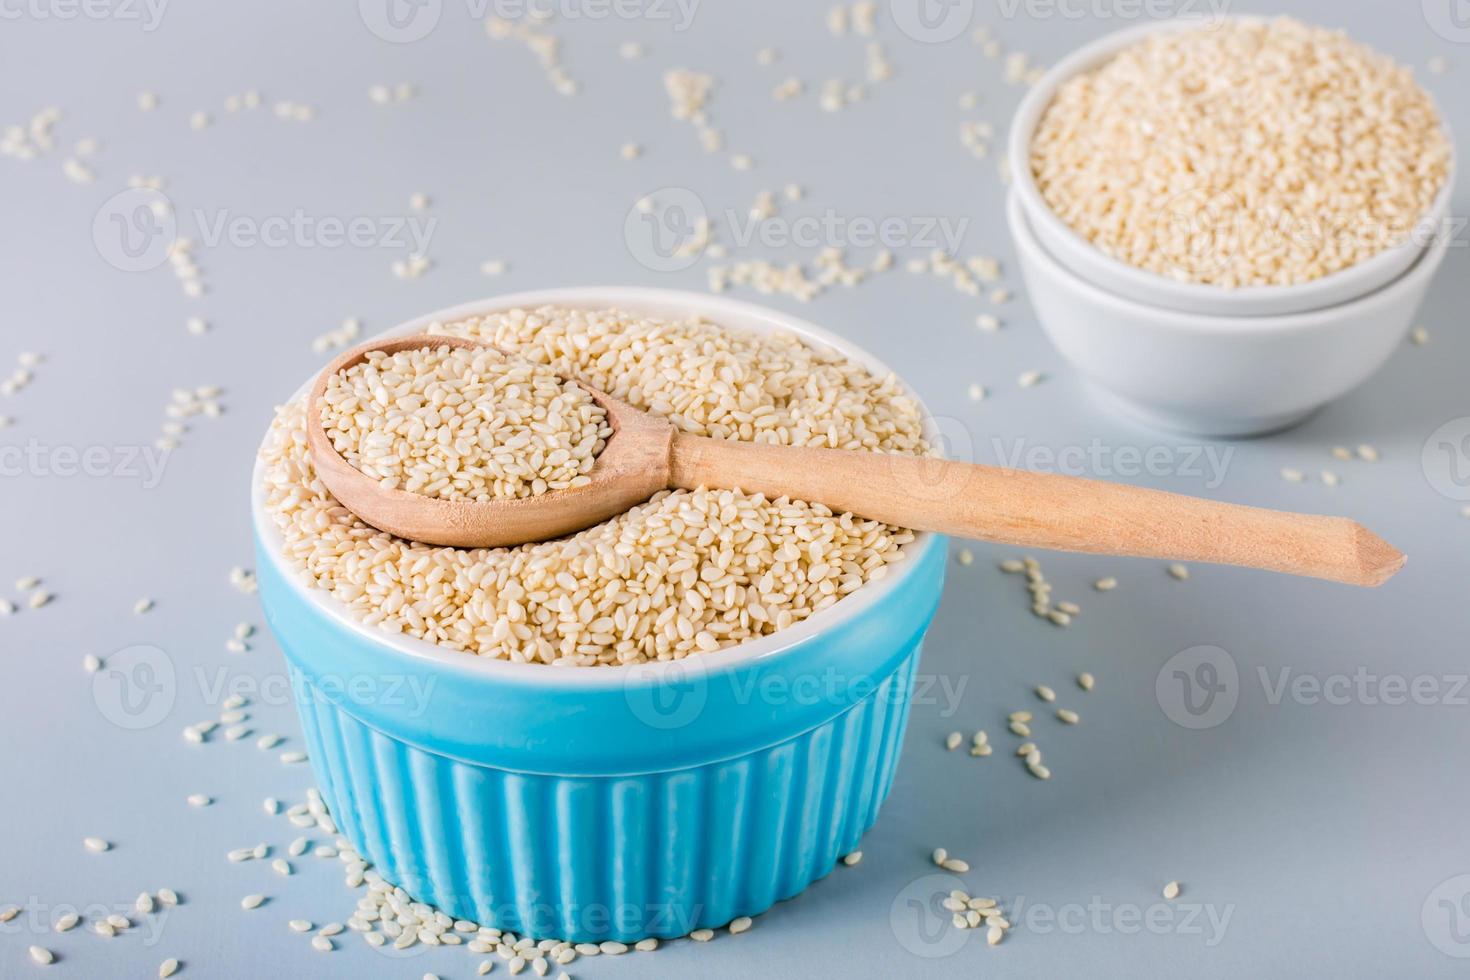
[1093, 54]
[650, 301]
[1028, 241]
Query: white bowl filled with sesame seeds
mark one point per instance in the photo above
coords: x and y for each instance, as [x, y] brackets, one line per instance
[616, 735]
[1238, 166]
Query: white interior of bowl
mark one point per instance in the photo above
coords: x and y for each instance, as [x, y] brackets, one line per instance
[650, 302]
[1149, 286]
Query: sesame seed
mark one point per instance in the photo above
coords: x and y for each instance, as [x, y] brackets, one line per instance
[142, 606]
[1250, 98]
[1068, 716]
[702, 935]
[1292, 475]
[953, 740]
[955, 865]
[976, 392]
[322, 944]
[1419, 336]
[1045, 693]
[299, 925]
[92, 663]
[144, 903]
[147, 101]
[42, 956]
[1330, 478]
[27, 582]
[1178, 571]
[1342, 452]
[252, 902]
[966, 556]
[67, 922]
[167, 896]
[1029, 379]
[1085, 681]
[38, 599]
[96, 844]
[168, 968]
[852, 859]
[1367, 453]
[1171, 890]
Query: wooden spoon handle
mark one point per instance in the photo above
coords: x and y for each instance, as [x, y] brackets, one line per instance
[1040, 510]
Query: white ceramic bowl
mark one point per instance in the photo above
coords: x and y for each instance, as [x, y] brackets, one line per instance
[1215, 375]
[1090, 262]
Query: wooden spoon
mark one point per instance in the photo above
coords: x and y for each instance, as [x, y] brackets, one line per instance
[645, 454]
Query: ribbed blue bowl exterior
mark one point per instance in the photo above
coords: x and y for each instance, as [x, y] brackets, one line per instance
[576, 813]
[611, 857]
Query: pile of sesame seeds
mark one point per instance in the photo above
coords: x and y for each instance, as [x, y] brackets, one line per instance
[458, 424]
[1252, 153]
[387, 916]
[1058, 614]
[685, 573]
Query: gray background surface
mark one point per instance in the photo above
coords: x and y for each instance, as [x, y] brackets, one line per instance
[1331, 835]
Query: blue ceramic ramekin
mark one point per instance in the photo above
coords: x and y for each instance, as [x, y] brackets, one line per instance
[616, 802]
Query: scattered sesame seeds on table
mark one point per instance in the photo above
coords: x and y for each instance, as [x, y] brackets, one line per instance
[843, 162]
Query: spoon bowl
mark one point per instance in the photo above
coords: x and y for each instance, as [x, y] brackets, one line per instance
[632, 467]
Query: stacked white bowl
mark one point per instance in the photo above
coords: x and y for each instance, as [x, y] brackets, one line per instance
[1201, 358]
